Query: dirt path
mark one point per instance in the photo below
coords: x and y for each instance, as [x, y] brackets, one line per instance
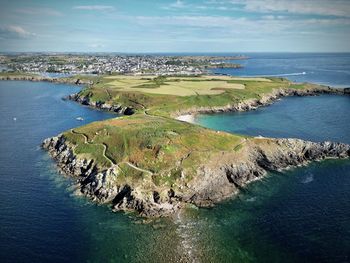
[105, 148]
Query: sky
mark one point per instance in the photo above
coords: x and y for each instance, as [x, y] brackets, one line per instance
[136, 26]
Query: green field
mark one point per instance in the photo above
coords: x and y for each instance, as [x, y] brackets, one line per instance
[150, 149]
[165, 96]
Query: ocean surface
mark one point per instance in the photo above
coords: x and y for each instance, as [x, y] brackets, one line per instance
[331, 69]
[302, 215]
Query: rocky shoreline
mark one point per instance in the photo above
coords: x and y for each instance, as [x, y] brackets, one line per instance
[219, 178]
[75, 81]
[265, 100]
[116, 108]
[246, 105]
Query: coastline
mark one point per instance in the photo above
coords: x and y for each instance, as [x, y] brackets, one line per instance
[190, 118]
[265, 100]
[218, 178]
[221, 177]
[36, 78]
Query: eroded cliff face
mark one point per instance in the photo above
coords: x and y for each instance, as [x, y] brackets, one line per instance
[103, 186]
[225, 175]
[117, 108]
[246, 105]
[264, 100]
[75, 81]
[218, 178]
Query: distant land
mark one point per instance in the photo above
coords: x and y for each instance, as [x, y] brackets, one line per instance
[123, 64]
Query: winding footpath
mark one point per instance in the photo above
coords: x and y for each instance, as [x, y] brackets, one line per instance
[105, 148]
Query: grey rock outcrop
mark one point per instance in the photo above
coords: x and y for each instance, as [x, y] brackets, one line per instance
[224, 177]
[217, 179]
[101, 105]
[75, 81]
[265, 100]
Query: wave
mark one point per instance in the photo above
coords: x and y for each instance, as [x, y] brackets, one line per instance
[286, 74]
[308, 179]
[278, 75]
[251, 199]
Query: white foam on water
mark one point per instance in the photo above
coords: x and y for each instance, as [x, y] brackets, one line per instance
[308, 179]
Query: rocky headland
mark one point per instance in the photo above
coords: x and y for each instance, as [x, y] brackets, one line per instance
[218, 178]
[243, 105]
[37, 78]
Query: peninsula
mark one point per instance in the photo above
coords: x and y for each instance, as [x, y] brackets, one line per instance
[152, 163]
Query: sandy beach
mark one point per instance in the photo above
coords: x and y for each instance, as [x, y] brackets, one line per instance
[186, 118]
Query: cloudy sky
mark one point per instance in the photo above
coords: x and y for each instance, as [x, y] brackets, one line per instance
[175, 25]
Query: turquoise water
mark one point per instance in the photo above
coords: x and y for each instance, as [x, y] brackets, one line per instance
[310, 118]
[302, 215]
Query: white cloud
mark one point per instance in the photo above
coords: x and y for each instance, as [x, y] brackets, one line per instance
[39, 11]
[312, 7]
[94, 7]
[177, 4]
[266, 25]
[96, 45]
[14, 31]
[182, 5]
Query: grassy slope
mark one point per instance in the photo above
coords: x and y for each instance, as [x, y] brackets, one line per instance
[162, 146]
[135, 92]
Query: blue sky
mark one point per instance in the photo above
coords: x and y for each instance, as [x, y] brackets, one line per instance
[175, 26]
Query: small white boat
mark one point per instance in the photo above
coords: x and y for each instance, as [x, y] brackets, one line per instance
[15, 119]
[79, 119]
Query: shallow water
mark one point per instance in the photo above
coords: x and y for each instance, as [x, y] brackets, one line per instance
[310, 118]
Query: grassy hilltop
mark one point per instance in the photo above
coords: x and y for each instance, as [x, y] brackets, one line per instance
[150, 149]
[167, 95]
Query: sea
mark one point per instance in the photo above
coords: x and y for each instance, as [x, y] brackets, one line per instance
[301, 215]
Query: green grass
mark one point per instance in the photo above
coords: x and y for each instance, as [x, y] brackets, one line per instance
[160, 145]
[165, 95]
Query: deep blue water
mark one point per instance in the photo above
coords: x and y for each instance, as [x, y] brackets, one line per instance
[323, 68]
[302, 215]
[40, 219]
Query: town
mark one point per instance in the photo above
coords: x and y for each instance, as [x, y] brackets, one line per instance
[108, 64]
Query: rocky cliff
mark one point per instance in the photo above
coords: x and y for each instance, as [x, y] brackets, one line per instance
[264, 100]
[216, 179]
[33, 78]
[101, 105]
[245, 105]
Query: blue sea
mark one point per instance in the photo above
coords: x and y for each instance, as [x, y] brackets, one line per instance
[302, 215]
[332, 69]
